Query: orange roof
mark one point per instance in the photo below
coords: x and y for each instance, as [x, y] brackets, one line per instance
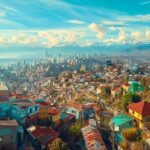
[116, 89]
[142, 108]
[77, 106]
[70, 101]
[93, 138]
[126, 84]
[53, 111]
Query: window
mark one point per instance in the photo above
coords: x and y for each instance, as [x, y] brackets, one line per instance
[36, 108]
[130, 111]
[74, 112]
[30, 110]
[138, 115]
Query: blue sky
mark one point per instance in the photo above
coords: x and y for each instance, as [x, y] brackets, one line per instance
[48, 23]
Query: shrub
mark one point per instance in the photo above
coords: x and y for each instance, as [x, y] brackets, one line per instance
[130, 134]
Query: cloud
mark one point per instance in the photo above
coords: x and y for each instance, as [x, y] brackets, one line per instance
[47, 38]
[70, 36]
[121, 39]
[50, 40]
[62, 35]
[99, 31]
[147, 33]
[145, 3]
[112, 22]
[112, 28]
[76, 22]
[2, 14]
[86, 43]
[2, 40]
[23, 39]
[135, 18]
[137, 35]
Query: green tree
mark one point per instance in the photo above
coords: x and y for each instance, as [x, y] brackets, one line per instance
[58, 144]
[126, 79]
[106, 92]
[128, 99]
[75, 130]
[131, 134]
[124, 145]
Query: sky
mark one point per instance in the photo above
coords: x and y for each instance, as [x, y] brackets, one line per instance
[52, 23]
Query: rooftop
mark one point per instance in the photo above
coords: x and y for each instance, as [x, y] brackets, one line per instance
[8, 123]
[142, 108]
[93, 138]
[44, 135]
[3, 87]
[121, 119]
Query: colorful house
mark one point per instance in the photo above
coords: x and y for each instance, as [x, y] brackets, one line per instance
[43, 109]
[118, 123]
[66, 120]
[126, 87]
[4, 107]
[41, 137]
[121, 122]
[116, 91]
[135, 86]
[24, 110]
[4, 101]
[3, 90]
[54, 117]
[11, 134]
[138, 111]
[75, 109]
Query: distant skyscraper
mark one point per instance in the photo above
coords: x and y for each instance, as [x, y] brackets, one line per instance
[46, 54]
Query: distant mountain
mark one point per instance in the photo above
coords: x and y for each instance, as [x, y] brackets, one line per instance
[101, 48]
[74, 48]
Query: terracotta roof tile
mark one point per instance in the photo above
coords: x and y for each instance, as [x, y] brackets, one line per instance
[142, 108]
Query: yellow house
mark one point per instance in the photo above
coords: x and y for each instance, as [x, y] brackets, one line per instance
[138, 111]
[126, 87]
[54, 116]
[43, 113]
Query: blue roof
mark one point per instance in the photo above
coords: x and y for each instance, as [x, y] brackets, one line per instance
[39, 100]
[63, 116]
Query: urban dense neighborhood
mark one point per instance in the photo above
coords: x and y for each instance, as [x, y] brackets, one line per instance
[74, 74]
[76, 104]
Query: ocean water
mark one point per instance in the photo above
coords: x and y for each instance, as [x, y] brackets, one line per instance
[7, 62]
[4, 63]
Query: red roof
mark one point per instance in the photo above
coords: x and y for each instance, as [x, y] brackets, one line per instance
[77, 106]
[142, 108]
[93, 138]
[116, 89]
[53, 111]
[4, 99]
[42, 103]
[38, 132]
[126, 84]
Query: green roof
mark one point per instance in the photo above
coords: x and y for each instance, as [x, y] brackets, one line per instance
[121, 119]
[134, 82]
